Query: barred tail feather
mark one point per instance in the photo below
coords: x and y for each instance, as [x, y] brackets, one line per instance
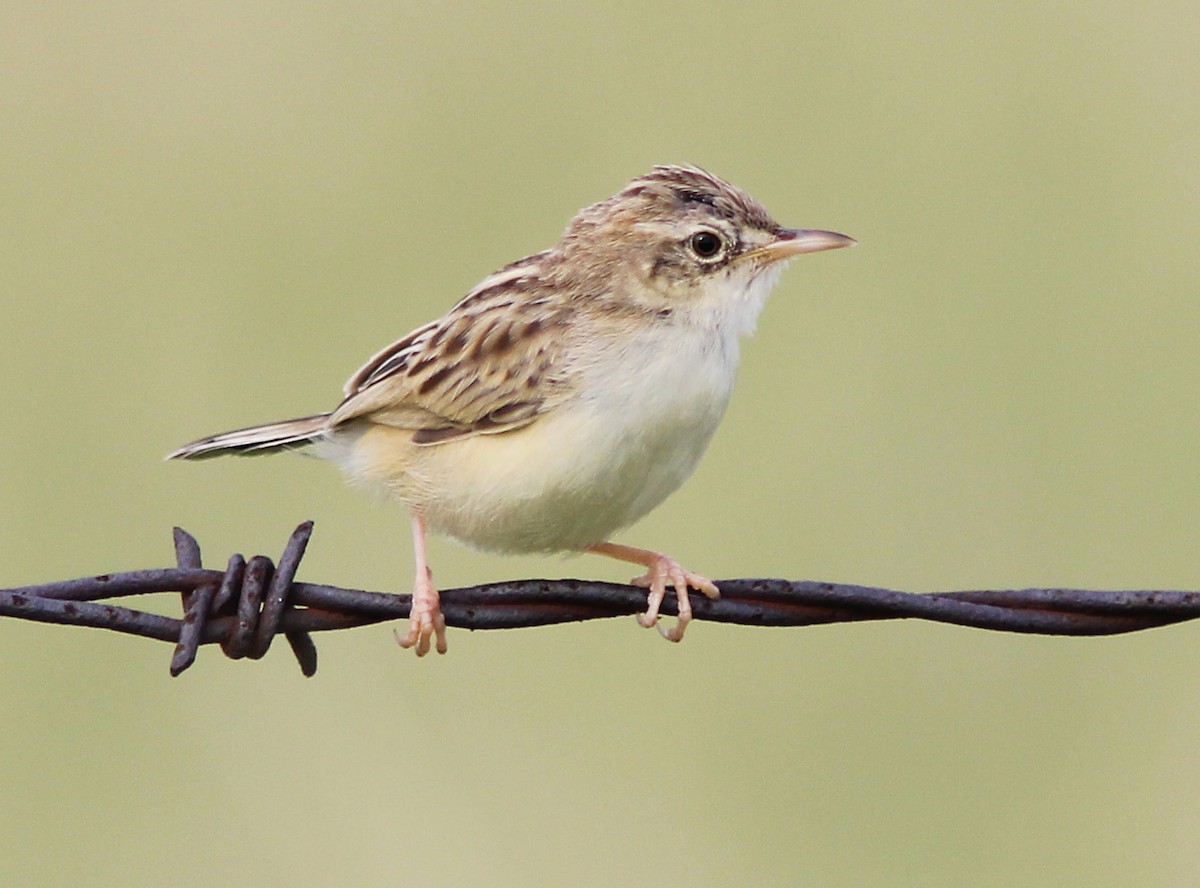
[290, 434]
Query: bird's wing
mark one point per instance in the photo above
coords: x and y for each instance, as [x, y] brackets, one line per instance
[492, 364]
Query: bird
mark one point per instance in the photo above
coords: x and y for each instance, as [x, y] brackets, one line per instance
[568, 393]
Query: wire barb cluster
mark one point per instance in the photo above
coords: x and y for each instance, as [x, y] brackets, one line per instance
[255, 594]
[245, 606]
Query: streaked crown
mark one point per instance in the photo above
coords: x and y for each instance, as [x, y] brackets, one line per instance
[668, 201]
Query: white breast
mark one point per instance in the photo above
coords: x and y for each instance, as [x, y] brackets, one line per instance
[646, 409]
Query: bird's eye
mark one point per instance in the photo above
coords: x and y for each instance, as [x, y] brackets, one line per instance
[706, 244]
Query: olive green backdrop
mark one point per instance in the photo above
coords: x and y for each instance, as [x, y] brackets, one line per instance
[211, 213]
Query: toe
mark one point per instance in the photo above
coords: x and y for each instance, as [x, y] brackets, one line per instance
[704, 585]
[653, 603]
[439, 631]
[653, 580]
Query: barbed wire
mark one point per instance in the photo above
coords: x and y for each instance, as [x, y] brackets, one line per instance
[245, 606]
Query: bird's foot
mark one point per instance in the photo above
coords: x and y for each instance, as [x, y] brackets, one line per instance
[662, 570]
[425, 621]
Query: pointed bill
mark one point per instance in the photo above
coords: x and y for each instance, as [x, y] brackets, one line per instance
[791, 242]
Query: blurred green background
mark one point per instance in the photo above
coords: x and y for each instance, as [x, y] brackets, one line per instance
[212, 213]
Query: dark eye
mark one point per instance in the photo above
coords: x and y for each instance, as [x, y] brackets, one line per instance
[706, 244]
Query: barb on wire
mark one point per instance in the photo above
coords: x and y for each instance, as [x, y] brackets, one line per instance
[245, 606]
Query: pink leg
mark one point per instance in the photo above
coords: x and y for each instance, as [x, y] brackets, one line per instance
[425, 620]
[660, 570]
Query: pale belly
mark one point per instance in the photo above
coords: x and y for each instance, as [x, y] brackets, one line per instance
[581, 472]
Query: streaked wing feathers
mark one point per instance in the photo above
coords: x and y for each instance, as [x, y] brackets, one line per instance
[492, 364]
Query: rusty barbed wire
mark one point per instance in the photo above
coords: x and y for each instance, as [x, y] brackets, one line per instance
[244, 607]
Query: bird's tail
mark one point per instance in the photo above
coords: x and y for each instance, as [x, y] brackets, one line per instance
[290, 434]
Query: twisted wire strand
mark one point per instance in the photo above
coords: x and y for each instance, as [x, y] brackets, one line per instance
[245, 606]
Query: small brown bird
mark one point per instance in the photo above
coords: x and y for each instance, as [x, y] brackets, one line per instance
[570, 392]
